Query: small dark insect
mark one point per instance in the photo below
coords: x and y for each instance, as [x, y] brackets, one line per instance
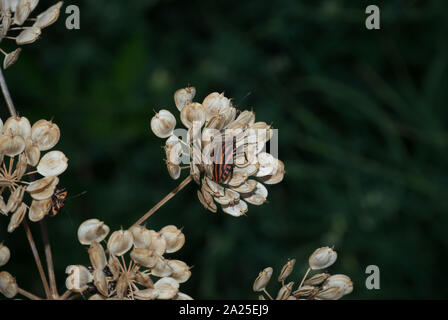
[223, 161]
[58, 201]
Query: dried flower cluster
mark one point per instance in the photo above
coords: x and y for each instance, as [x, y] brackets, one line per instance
[112, 278]
[14, 15]
[8, 285]
[321, 286]
[229, 176]
[23, 144]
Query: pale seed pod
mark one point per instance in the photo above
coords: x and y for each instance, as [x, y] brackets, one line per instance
[96, 297]
[316, 279]
[166, 288]
[162, 268]
[43, 188]
[114, 266]
[331, 293]
[22, 12]
[8, 285]
[78, 278]
[163, 124]
[174, 238]
[97, 256]
[146, 294]
[285, 291]
[257, 196]
[182, 296]
[21, 166]
[6, 22]
[39, 209]
[3, 206]
[11, 145]
[120, 242]
[158, 243]
[340, 281]
[92, 230]
[236, 210]
[52, 163]
[28, 35]
[183, 97]
[17, 217]
[49, 16]
[243, 121]
[144, 280]
[122, 286]
[193, 114]
[144, 257]
[305, 291]
[45, 134]
[207, 201]
[142, 236]
[5, 254]
[263, 279]
[181, 271]
[100, 281]
[11, 58]
[173, 170]
[215, 103]
[32, 152]
[268, 164]
[322, 258]
[286, 270]
[277, 176]
[15, 199]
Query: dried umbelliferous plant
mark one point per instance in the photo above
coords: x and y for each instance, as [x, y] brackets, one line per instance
[321, 286]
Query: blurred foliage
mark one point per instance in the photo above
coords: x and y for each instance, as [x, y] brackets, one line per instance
[362, 122]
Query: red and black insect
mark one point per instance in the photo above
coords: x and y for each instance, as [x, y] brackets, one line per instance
[58, 201]
[223, 161]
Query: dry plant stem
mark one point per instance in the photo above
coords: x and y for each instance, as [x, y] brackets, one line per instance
[36, 258]
[267, 293]
[27, 294]
[49, 259]
[65, 295]
[163, 201]
[303, 280]
[7, 96]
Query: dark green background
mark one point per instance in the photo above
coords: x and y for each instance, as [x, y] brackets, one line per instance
[362, 119]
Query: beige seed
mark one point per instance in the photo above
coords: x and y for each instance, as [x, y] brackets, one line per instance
[120, 242]
[11, 145]
[174, 238]
[11, 58]
[163, 124]
[45, 134]
[142, 236]
[193, 115]
[285, 291]
[263, 279]
[144, 257]
[39, 209]
[8, 285]
[49, 16]
[52, 163]
[17, 217]
[5, 254]
[92, 230]
[28, 35]
[322, 258]
[78, 278]
[166, 288]
[97, 256]
[286, 270]
[316, 279]
[184, 96]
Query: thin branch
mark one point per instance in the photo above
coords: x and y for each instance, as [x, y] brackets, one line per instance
[303, 280]
[49, 259]
[65, 295]
[5, 91]
[163, 201]
[36, 258]
[27, 294]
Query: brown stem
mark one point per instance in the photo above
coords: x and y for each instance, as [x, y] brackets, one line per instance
[5, 91]
[36, 258]
[163, 201]
[303, 280]
[267, 293]
[65, 295]
[27, 294]
[49, 259]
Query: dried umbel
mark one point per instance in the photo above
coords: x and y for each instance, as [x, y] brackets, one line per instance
[16, 17]
[320, 286]
[26, 171]
[115, 279]
[223, 150]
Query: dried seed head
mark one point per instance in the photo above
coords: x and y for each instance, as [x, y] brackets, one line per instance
[340, 281]
[185, 96]
[39, 209]
[52, 163]
[162, 268]
[11, 145]
[92, 230]
[166, 288]
[49, 16]
[285, 291]
[316, 279]
[193, 113]
[122, 286]
[286, 270]
[11, 58]
[305, 291]
[322, 258]
[8, 285]
[120, 242]
[17, 217]
[215, 103]
[5, 254]
[158, 243]
[45, 134]
[163, 124]
[262, 279]
[144, 257]
[97, 256]
[142, 236]
[174, 238]
[78, 278]
[181, 271]
[43, 188]
[28, 35]
[144, 280]
[331, 293]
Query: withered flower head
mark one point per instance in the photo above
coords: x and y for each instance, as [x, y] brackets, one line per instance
[113, 278]
[223, 150]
